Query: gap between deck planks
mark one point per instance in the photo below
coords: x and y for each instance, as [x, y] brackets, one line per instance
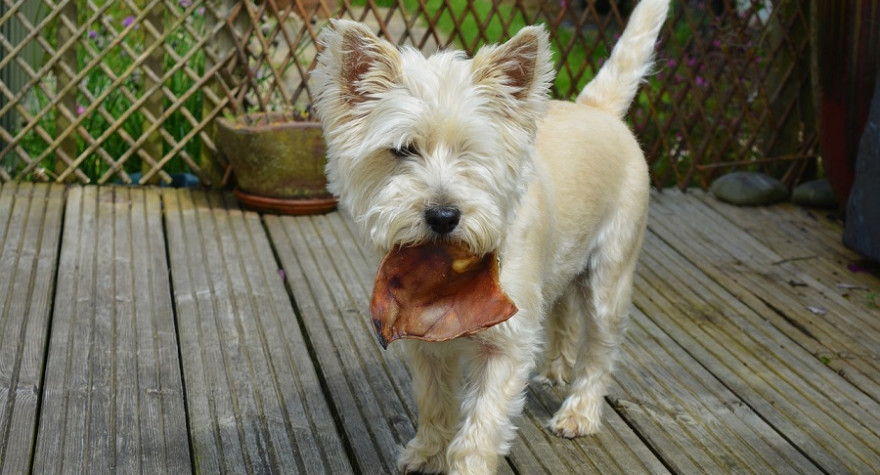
[373, 391]
[255, 400]
[723, 368]
[30, 228]
[112, 397]
[744, 342]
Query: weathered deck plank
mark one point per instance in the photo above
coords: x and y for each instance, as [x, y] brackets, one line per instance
[619, 449]
[359, 382]
[113, 397]
[254, 398]
[804, 244]
[741, 341]
[799, 297]
[337, 294]
[30, 230]
[261, 323]
[675, 424]
[693, 421]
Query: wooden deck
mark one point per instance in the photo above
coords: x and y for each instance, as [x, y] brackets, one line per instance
[167, 331]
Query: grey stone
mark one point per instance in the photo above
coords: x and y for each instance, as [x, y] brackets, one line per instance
[862, 229]
[749, 189]
[816, 193]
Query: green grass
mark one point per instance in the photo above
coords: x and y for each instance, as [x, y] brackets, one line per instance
[463, 22]
[564, 40]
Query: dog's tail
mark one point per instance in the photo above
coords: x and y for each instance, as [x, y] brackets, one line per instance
[617, 82]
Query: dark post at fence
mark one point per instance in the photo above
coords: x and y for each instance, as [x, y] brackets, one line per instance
[153, 66]
[127, 91]
[65, 69]
[792, 103]
[12, 76]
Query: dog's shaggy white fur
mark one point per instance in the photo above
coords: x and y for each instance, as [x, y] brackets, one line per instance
[558, 190]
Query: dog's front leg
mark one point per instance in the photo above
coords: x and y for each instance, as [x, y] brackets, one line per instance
[497, 375]
[436, 376]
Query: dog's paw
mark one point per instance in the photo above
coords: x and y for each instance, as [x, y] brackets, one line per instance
[470, 463]
[569, 424]
[417, 458]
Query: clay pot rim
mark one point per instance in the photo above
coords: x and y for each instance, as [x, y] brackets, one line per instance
[264, 121]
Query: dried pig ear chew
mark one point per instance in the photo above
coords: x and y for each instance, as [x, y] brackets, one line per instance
[437, 292]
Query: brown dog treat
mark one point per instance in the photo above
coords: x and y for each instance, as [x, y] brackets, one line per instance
[436, 293]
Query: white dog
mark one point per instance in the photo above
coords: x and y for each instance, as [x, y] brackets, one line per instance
[471, 151]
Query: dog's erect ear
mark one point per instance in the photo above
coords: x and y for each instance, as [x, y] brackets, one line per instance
[522, 67]
[367, 65]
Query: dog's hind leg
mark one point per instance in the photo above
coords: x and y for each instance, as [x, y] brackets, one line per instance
[563, 332]
[610, 288]
[436, 380]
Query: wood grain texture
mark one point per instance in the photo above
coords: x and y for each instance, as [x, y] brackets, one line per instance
[30, 230]
[372, 416]
[255, 399]
[846, 339]
[335, 311]
[113, 398]
[148, 331]
[707, 299]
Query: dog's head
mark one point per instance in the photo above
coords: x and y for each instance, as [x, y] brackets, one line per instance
[426, 149]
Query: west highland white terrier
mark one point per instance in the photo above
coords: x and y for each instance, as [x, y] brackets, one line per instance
[471, 152]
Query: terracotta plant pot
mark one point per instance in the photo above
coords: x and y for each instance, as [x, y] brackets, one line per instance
[278, 163]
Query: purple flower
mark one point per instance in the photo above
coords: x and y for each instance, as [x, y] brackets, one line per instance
[128, 21]
[692, 62]
[200, 11]
[699, 81]
[670, 63]
[716, 43]
[80, 110]
[93, 34]
[855, 267]
[185, 3]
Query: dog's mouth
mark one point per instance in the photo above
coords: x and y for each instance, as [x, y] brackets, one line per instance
[437, 292]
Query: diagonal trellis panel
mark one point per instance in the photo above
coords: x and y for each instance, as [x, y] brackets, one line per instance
[127, 90]
[110, 89]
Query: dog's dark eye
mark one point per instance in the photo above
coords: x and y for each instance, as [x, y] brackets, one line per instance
[406, 151]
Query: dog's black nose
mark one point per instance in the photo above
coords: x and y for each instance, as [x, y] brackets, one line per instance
[442, 219]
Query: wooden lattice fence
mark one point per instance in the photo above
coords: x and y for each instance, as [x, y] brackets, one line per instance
[101, 91]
